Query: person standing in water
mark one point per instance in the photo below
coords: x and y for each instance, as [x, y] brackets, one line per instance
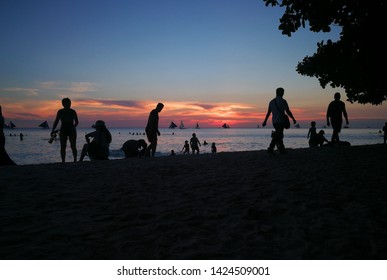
[69, 122]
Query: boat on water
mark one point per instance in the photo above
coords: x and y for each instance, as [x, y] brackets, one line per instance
[10, 125]
[44, 125]
[225, 125]
[197, 126]
[172, 125]
[181, 126]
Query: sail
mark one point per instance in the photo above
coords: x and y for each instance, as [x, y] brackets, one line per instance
[11, 125]
[181, 125]
[44, 124]
[197, 126]
[172, 125]
[225, 125]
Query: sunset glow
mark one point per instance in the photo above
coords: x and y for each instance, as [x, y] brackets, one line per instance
[209, 63]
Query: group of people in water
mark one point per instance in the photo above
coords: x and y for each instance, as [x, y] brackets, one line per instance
[98, 141]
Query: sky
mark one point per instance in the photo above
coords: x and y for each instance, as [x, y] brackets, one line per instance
[209, 61]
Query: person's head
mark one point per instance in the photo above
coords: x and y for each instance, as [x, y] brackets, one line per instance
[100, 124]
[66, 102]
[159, 107]
[186, 141]
[313, 123]
[279, 91]
[193, 134]
[337, 96]
[321, 132]
[142, 144]
[213, 144]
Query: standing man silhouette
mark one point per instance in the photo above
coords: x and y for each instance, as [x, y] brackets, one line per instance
[152, 130]
[335, 112]
[278, 106]
[69, 122]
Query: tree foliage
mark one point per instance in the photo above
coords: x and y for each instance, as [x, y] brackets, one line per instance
[356, 61]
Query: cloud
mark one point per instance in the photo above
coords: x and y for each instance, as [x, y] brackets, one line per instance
[111, 103]
[26, 91]
[69, 87]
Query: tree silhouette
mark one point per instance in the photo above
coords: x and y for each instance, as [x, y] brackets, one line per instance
[356, 61]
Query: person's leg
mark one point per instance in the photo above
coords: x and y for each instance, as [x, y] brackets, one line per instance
[273, 142]
[73, 141]
[154, 143]
[63, 144]
[83, 153]
[280, 137]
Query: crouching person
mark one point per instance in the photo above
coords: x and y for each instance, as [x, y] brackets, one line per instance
[134, 148]
[98, 148]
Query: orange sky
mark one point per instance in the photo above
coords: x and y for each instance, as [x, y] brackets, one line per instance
[135, 113]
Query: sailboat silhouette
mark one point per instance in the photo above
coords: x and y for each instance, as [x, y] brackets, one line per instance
[172, 125]
[181, 125]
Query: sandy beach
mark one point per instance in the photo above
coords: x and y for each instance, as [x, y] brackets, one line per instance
[323, 203]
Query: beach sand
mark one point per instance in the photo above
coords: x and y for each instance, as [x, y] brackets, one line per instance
[323, 203]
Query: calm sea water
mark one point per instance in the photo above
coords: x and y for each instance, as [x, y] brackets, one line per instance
[34, 147]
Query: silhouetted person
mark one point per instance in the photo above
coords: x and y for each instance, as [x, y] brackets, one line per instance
[312, 135]
[4, 157]
[172, 153]
[277, 107]
[320, 138]
[69, 122]
[335, 112]
[213, 148]
[98, 148]
[185, 149]
[134, 148]
[195, 143]
[385, 132]
[152, 130]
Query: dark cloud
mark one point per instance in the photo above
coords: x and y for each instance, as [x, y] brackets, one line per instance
[121, 103]
[205, 106]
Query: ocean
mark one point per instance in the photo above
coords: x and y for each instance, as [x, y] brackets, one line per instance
[33, 147]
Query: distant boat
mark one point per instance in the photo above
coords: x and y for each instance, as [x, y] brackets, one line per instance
[10, 125]
[44, 125]
[181, 126]
[225, 125]
[197, 126]
[172, 125]
[297, 125]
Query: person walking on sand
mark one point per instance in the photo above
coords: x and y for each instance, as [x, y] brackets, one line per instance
[277, 107]
[152, 130]
[335, 112]
[69, 122]
[4, 157]
[195, 143]
[385, 132]
[185, 149]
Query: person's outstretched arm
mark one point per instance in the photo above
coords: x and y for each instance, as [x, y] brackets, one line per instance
[267, 116]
